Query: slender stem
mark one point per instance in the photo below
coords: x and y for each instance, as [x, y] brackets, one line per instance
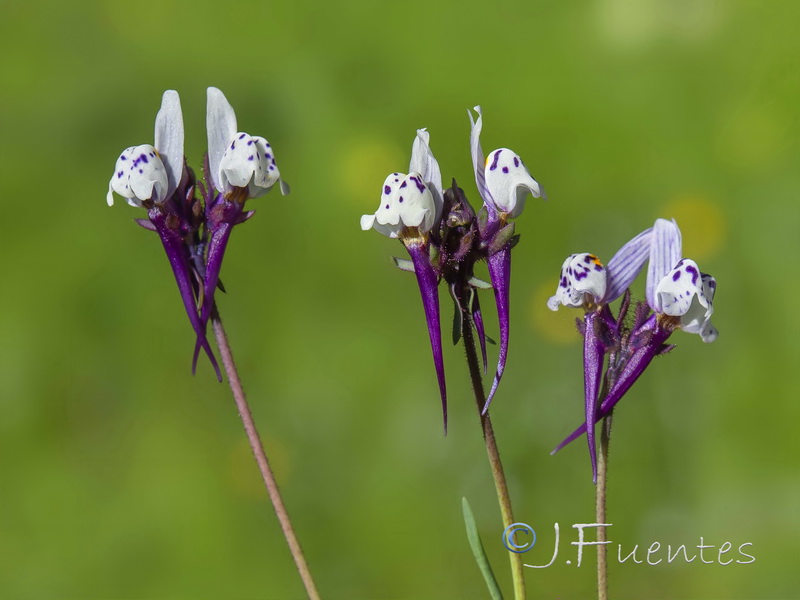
[600, 507]
[261, 456]
[503, 497]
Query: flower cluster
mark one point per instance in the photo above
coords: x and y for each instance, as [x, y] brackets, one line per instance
[195, 232]
[678, 296]
[445, 237]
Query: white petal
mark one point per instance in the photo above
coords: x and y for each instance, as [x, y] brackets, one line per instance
[139, 175]
[698, 318]
[509, 182]
[248, 162]
[665, 252]
[689, 294]
[169, 138]
[405, 202]
[424, 163]
[221, 128]
[581, 274]
[367, 221]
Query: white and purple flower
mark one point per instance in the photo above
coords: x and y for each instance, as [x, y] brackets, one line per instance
[445, 238]
[239, 164]
[410, 210]
[154, 178]
[586, 283]
[504, 183]
[195, 234]
[411, 204]
[152, 173]
[678, 295]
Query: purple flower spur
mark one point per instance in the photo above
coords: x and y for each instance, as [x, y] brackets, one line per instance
[195, 233]
[678, 295]
[445, 238]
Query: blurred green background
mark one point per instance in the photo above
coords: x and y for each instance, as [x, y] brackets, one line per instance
[122, 476]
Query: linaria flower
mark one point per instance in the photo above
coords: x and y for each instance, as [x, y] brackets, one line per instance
[678, 295]
[194, 233]
[153, 177]
[239, 167]
[504, 183]
[445, 238]
[410, 208]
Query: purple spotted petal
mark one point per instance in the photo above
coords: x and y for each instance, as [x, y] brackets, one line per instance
[665, 252]
[477, 319]
[626, 263]
[593, 354]
[175, 247]
[428, 282]
[221, 220]
[500, 275]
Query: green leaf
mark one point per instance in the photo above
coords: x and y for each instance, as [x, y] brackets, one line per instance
[479, 553]
[403, 264]
[479, 283]
[501, 238]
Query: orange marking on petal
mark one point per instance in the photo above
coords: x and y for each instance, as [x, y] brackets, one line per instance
[595, 260]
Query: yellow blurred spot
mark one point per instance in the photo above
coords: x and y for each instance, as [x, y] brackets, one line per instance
[703, 225]
[243, 467]
[554, 326]
[365, 164]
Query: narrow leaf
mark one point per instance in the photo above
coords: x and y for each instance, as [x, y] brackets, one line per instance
[403, 264]
[479, 553]
[479, 283]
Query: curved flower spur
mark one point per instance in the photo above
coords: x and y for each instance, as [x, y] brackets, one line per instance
[678, 295]
[154, 177]
[445, 238]
[411, 210]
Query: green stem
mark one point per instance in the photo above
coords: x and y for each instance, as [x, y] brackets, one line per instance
[261, 456]
[501, 487]
[600, 507]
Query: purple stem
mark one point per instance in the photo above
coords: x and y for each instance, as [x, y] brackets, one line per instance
[428, 282]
